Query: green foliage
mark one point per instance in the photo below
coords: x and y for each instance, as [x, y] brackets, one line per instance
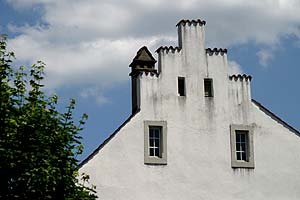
[38, 144]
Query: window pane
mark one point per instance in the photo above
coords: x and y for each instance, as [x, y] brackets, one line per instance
[151, 141]
[243, 145]
[157, 152]
[151, 152]
[156, 144]
[244, 156]
[151, 132]
[157, 133]
[238, 147]
[243, 137]
[238, 155]
[237, 137]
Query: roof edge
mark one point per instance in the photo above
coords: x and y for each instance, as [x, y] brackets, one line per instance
[276, 118]
[89, 157]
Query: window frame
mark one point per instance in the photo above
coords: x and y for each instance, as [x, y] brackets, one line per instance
[162, 158]
[249, 162]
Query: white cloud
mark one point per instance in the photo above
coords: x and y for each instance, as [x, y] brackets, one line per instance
[234, 68]
[265, 57]
[101, 61]
[92, 41]
[94, 93]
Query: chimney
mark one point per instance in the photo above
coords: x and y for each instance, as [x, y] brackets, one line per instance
[142, 62]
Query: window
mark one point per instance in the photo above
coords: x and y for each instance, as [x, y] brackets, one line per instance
[208, 87]
[241, 145]
[242, 152]
[181, 86]
[155, 139]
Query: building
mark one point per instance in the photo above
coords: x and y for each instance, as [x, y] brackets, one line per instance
[195, 133]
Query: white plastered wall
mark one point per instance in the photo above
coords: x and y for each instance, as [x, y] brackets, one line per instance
[199, 161]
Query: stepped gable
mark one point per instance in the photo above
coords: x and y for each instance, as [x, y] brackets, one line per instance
[191, 22]
[240, 77]
[168, 49]
[216, 51]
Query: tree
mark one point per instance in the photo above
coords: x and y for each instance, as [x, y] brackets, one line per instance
[38, 144]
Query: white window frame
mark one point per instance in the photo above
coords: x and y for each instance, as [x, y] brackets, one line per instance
[161, 158]
[249, 161]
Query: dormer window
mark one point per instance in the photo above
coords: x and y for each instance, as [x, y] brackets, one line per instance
[208, 87]
[181, 86]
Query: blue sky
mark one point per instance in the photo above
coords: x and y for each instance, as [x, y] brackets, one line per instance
[88, 45]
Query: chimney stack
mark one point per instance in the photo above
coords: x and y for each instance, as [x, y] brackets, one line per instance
[142, 62]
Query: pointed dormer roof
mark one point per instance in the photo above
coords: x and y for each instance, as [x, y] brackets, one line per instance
[143, 61]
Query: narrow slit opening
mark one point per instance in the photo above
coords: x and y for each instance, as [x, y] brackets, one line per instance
[208, 87]
[181, 86]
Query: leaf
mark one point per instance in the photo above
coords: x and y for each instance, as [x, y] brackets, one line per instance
[38, 144]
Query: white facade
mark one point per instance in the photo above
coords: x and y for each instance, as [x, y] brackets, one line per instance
[199, 161]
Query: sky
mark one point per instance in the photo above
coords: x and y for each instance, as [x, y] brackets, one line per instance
[87, 46]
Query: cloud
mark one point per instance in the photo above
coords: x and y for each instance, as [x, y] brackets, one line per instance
[92, 41]
[25, 4]
[239, 21]
[101, 61]
[265, 57]
[234, 68]
[94, 93]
